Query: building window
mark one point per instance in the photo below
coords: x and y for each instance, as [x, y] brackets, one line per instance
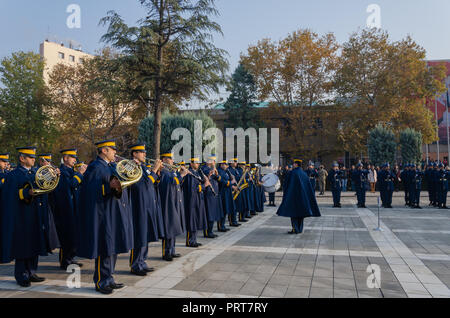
[71, 58]
[81, 60]
[61, 55]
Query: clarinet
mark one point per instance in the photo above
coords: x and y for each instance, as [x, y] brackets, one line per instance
[202, 174]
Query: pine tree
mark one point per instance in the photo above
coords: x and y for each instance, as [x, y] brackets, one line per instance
[411, 145]
[381, 145]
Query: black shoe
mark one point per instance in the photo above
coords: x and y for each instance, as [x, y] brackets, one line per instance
[254, 214]
[292, 232]
[36, 279]
[418, 207]
[139, 273]
[211, 236]
[223, 230]
[176, 255]
[168, 258]
[24, 284]
[249, 216]
[243, 220]
[235, 225]
[149, 269]
[116, 286]
[193, 245]
[104, 290]
[363, 206]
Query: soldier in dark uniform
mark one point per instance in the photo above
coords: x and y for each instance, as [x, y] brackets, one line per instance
[442, 187]
[226, 186]
[4, 160]
[172, 206]
[100, 232]
[22, 227]
[435, 184]
[387, 185]
[312, 175]
[334, 178]
[238, 203]
[404, 177]
[360, 179]
[146, 209]
[194, 203]
[416, 181]
[65, 204]
[299, 201]
[428, 178]
[251, 212]
[242, 199]
[213, 202]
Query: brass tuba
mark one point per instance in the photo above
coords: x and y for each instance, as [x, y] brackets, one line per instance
[46, 179]
[129, 172]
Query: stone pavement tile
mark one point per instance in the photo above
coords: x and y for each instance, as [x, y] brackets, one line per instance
[239, 277]
[344, 284]
[345, 293]
[189, 283]
[261, 278]
[391, 286]
[276, 256]
[300, 281]
[428, 279]
[297, 292]
[318, 272]
[405, 278]
[252, 288]
[374, 293]
[274, 291]
[230, 287]
[359, 259]
[401, 269]
[359, 266]
[304, 271]
[208, 285]
[413, 295]
[321, 292]
[308, 258]
[414, 288]
[266, 269]
[228, 267]
[168, 282]
[247, 268]
[220, 275]
[322, 282]
[393, 294]
[280, 280]
[437, 290]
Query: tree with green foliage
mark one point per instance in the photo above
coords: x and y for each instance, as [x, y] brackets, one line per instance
[169, 123]
[23, 103]
[171, 53]
[410, 143]
[381, 145]
[240, 105]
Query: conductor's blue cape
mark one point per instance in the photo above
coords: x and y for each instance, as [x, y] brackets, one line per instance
[298, 198]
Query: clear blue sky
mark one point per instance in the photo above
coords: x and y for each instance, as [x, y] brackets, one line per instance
[25, 24]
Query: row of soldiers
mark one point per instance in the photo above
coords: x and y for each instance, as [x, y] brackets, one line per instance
[436, 175]
[92, 215]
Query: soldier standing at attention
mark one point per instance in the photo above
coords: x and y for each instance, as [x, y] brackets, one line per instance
[334, 177]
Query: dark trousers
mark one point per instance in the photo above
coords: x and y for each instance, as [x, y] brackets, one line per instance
[210, 229]
[361, 195]
[297, 224]
[272, 198]
[66, 256]
[388, 197]
[25, 268]
[168, 246]
[414, 198]
[336, 197]
[138, 256]
[232, 218]
[442, 197]
[104, 270]
[221, 224]
[191, 238]
[407, 194]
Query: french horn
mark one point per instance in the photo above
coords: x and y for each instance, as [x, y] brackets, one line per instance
[46, 180]
[128, 171]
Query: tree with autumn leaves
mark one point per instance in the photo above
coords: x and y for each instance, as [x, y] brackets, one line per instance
[322, 91]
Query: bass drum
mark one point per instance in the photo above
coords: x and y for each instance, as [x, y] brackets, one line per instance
[271, 183]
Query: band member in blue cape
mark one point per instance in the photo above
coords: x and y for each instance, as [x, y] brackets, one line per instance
[428, 173]
[312, 175]
[334, 177]
[251, 193]
[226, 194]
[146, 206]
[299, 201]
[4, 160]
[386, 179]
[415, 186]
[22, 229]
[64, 202]
[172, 206]
[361, 181]
[194, 203]
[242, 204]
[213, 201]
[99, 228]
[45, 211]
[442, 186]
[239, 203]
[405, 179]
[260, 196]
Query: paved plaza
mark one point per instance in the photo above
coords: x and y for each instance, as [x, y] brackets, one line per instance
[259, 259]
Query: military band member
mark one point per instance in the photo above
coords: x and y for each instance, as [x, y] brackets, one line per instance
[430, 185]
[194, 203]
[405, 177]
[435, 184]
[213, 201]
[299, 201]
[334, 177]
[146, 207]
[4, 160]
[242, 205]
[251, 193]
[22, 229]
[360, 179]
[239, 202]
[260, 194]
[442, 187]
[99, 228]
[227, 184]
[172, 206]
[312, 175]
[416, 186]
[65, 205]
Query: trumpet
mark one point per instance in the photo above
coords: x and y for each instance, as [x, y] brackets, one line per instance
[174, 168]
[129, 171]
